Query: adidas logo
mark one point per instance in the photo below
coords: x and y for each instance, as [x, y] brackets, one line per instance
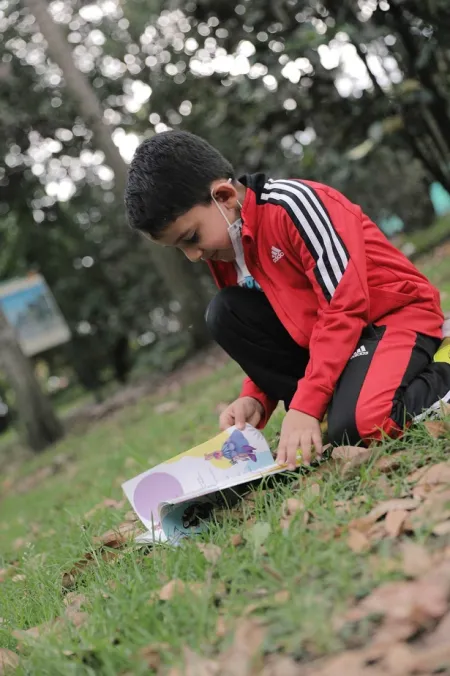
[277, 254]
[360, 352]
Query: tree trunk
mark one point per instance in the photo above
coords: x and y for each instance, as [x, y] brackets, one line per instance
[179, 280]
[39, 427]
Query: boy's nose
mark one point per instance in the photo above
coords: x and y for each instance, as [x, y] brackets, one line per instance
[194, 255]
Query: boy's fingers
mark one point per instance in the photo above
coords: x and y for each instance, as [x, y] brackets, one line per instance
[306, 449]
[281, 452]
[239, 417]
[317, 440]
[292, 446]
[226, 418]
[254, 420]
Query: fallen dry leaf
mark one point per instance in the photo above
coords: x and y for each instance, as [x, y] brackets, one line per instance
[394, 522]
[416, 559]
[280, 665]
[382, 484]
[434, 509]
[442, 528]
[117, 537]
[166, 407]
[171, 589]
[5, 573]
[406, 606]
[357, 541]
[9, 661]
[211, 552]
[240, 656]
[349, 458]
[73, 603]
[389, 463]
[314, 489]
[434, 474]
[196, 665]
[236, 540]
[151, 654]
[19, 578]
[221, 627]
[33, 633]
[282, 596]
[69, 577]
[290, 508]
[437, 428]
[364, 523]
[107, 503]
[20, 543]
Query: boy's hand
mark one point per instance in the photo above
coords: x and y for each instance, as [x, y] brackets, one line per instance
[243, 410]
[299, 431]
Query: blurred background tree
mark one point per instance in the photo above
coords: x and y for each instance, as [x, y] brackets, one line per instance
[353, 93]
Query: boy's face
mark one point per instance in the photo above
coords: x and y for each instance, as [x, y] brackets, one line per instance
[202, 232]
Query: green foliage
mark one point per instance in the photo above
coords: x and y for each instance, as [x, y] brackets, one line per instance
[292, 88]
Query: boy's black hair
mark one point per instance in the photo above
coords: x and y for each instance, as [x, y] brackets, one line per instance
[170, 173]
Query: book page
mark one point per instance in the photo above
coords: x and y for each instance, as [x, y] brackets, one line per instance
[222, 461]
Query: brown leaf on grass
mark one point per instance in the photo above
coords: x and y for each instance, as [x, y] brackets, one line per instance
[166, 407]
[9, 661]
[434, 474]
[389, 463]
[131, 516]
[383, 485]
[364, 523]
[236, 540]
[348, 663]
[171, 589]
[406, 607]
[151, 654]
[239, 659]
[416, 559]
[69, 578]
[314, 489]
[5, 573]
[107, 503]
[349, 458]
[290, 508]
[197, 665]
[221, 627]
[442, 528]
[20, 543]
[394, 522]
[437, 428]
[280, 665]
[212, 553]
[73, 613]
[19, 578]
[33, 633]
[357, 541]
[282, 596]
[119, 536]
[435, 509]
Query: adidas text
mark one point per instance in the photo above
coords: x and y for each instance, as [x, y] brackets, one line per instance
[277, 254]
[360, 352]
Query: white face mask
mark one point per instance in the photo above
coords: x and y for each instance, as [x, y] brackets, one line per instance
[237, 224]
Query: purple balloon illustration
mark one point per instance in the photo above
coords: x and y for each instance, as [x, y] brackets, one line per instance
[152, 490]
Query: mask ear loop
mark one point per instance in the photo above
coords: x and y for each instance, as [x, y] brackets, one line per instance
[230, 180]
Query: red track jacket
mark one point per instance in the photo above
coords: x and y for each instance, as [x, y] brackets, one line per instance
[328, 271]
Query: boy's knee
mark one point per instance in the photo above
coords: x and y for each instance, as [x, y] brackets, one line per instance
[342, 428]
[219, 310]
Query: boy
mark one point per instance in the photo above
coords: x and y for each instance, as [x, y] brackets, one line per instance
[316, 306]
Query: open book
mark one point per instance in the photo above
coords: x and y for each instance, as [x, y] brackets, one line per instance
[175, 499]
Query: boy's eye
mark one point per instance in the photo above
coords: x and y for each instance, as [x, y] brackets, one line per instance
[192, 239]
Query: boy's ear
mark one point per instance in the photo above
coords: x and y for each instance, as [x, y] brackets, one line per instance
[223, 190]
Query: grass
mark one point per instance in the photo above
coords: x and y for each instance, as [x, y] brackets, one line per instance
[313, 562]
